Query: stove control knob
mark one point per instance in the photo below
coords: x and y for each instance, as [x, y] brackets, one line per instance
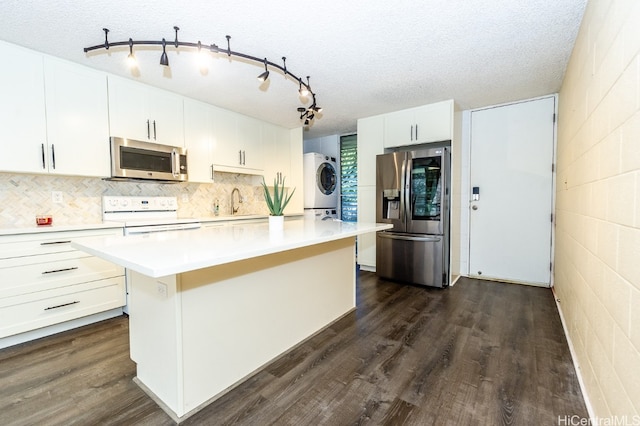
[124, 202]
[171, 202]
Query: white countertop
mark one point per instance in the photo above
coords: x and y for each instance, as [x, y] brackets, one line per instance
[173, 252]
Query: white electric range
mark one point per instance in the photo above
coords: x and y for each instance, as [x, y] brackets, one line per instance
[145, 214]
[142, 215]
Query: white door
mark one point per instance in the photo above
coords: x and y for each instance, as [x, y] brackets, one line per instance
[512, 151]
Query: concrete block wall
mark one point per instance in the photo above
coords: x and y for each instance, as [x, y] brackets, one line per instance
[597, 256]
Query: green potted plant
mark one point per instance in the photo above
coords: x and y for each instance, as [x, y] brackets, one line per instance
[277, 202]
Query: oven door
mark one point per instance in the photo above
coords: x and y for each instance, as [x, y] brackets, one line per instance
[131, 159]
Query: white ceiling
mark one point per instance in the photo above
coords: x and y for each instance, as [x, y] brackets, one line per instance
[365, 57]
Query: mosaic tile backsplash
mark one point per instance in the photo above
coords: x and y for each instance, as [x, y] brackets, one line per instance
[22, 197]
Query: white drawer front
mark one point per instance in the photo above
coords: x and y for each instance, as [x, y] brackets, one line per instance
[81, 300]
[26, 279]
[47, 242]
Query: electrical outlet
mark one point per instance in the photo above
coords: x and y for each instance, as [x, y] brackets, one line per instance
[162, 290]
[57, 197]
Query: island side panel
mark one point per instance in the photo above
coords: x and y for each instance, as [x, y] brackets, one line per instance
[239, 316]
[154, 323]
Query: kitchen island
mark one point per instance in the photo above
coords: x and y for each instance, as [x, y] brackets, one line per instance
[209, 307]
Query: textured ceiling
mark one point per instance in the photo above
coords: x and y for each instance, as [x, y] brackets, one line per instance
[365, 57]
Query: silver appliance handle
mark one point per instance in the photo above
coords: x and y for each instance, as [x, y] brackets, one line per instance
[408, 237]
[175, 163]
[403, 192]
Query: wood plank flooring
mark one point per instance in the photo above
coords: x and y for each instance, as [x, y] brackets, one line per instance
[478, 353]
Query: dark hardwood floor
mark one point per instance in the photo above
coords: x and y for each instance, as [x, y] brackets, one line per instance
[478, 353]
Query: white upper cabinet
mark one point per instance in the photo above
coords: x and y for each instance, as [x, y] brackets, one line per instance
[23, 127]
[370, 144]
[77, 119]
[277, 148]
[425, 124]
[53, 115]
[237, 146]
[295, 178]
[198, 139]
[250, 142]
[141, 112]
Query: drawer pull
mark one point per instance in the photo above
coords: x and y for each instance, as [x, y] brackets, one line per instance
[59, 270]
[55, 242]
[60, 306]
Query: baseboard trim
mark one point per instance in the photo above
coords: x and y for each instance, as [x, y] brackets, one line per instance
[574, 358]
[39, 333]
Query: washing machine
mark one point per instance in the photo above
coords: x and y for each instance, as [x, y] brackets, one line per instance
[321, 214]
[320, 181]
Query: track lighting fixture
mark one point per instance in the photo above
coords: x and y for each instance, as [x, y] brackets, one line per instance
[307, 114]
[265, 75]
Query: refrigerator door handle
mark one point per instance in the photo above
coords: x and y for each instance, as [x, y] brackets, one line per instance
[403, 192]
[426, 239]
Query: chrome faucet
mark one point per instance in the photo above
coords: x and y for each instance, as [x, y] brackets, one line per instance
[234, 209]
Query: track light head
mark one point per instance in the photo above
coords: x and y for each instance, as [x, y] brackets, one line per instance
[265, 75]
[304, 92]
[131, 59]
[164, 59]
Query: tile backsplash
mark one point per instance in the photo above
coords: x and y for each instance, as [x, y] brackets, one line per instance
[24, 196]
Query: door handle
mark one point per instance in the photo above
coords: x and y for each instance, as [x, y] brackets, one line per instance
[43, 163]
[155, 135]
[53, 156]
[474, 207]
[148, 130]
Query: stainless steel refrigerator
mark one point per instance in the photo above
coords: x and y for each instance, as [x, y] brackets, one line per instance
[412, 194]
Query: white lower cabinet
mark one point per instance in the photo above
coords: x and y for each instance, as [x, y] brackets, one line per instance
[47, 282]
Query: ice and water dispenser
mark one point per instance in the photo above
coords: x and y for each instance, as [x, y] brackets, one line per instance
[391, 204]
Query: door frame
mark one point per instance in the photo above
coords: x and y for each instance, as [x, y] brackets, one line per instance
[466, 184]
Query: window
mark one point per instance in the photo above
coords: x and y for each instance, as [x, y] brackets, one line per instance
[349, 178]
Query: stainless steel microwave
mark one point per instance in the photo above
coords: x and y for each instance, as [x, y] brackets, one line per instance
[131, 159]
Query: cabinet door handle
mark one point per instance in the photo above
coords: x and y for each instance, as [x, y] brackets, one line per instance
[240, 160]
[412, 132]
[61, 306]
[155, 136]
[148, 130]
[53, 156]
[53, 271]
[244, 157]
[211, 167]
[416, 132]
[43, 159]
[49, 243]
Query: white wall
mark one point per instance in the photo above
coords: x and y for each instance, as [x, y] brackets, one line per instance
[327, 145]
[597, 257]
